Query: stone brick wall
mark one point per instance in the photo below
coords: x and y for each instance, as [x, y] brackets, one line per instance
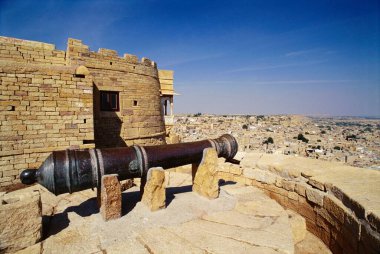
[340, 203]
[49, 100]
[139, 120]
[42, 109]
[13, 49]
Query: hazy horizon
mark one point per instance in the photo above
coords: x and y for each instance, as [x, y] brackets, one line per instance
[230, 57]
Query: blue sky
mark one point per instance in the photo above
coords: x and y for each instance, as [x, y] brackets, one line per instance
[230, 57]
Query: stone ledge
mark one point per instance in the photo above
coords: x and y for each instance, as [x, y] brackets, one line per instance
[339, 203]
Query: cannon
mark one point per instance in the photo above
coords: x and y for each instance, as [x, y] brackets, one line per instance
[76, 170]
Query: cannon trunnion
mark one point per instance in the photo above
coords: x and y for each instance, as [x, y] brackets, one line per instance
[76, 170]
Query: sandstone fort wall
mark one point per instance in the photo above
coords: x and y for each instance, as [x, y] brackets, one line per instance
[50, 100]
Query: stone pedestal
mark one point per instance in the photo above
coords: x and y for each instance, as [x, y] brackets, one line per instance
[20, 220]
[206, 181]
[110, 197]
[154, 195]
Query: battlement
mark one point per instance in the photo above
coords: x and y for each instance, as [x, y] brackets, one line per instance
[104, 58]
[21, 42]
[77, 53]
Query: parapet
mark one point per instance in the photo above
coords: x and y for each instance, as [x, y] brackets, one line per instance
[80, 54]
[339, 202]
[77, 53]
[21, 42]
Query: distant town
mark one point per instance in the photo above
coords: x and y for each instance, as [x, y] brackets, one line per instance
[351, 140]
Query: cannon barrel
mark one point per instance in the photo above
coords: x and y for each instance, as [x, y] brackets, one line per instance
[76, 170]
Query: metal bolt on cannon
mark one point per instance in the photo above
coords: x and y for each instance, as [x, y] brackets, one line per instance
[76, 170]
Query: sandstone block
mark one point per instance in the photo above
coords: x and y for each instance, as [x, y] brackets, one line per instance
[334, 207]
[154, 196]
[300, 188]
[374, 220]
[292, 195]
[288, 185]
[306, 210]
[206, 178]
[317, 184]
[110, 207]
[235, 169]
[298, 225]
[260, 175]
[20, 220]
[315, 196]
[369, 241]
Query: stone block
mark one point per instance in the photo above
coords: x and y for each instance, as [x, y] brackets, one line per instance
[20, 220]
[288, 185]
[335, 207]
[369, 239]
[317, 184]
[154, 196]
[235, 169]
[306, 209]
[328, 218]
[110, 201]
[298, 224]
[260, 175]
[315, 196]
[277, 190]
[206, 180]
[374, 221]
[300, 188]
[292, 195]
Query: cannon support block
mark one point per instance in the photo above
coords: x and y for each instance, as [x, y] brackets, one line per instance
[110, 197]
[154, 196]
[205, 181]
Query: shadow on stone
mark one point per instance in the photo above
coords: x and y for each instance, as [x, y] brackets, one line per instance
[54, 224]
[171, 191]
[223, 182]
[129, 201]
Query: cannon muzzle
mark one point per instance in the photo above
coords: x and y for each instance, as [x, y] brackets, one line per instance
[76, 170]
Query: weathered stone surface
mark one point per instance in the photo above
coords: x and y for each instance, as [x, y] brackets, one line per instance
[20, 220]
[154, 196]
[298, 226]
[335, 207]
[315, 183]
[311, 245]
[315, 196]
[161, 240]
[34, 249]
[110, 207]
[260, 175]
[206, 178]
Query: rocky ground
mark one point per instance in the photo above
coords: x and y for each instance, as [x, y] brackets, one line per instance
[242, 220]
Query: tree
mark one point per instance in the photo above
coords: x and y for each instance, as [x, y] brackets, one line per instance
[268, 141]
[302, 138]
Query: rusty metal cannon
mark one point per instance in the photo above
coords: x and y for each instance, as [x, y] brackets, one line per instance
[76, 170]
